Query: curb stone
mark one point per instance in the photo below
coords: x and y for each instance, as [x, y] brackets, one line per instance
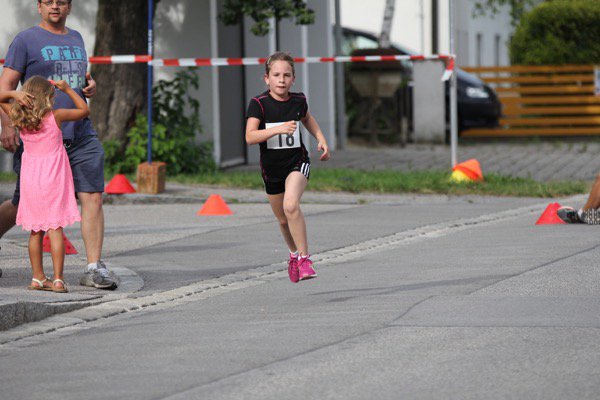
[15, 313]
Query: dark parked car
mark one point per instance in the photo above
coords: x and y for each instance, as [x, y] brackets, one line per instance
[478, 105]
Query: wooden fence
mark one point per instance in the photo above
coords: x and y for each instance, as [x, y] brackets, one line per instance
[542, 100]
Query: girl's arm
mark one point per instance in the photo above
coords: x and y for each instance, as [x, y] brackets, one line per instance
[310, 123]
[24, 99]
[71, 114]
[254, 135]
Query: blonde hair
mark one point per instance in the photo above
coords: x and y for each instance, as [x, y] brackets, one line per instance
[31, 118]
[279, 56]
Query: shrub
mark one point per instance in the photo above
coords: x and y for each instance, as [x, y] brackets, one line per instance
[175, 125]
[558, 32]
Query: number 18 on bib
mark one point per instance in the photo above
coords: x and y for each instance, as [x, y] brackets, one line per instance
[283, 141]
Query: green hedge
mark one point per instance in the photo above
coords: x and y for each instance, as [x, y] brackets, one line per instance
[558, 32]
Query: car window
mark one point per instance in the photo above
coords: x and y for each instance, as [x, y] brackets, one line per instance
[365, 43]
[353, 42]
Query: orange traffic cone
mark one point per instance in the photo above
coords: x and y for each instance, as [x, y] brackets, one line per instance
[549, 215]
[214, 205]
[469, 170]
[69, 248]
[119, 184]
[459, 176]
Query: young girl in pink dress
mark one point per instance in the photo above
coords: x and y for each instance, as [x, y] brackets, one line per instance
[47, 201]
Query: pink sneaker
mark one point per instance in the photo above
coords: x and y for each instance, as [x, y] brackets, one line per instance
[305, 268]
[293, 271]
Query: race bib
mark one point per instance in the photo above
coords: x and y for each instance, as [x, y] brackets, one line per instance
[283, 141]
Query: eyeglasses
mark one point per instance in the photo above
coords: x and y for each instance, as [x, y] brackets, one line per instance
[59, 3]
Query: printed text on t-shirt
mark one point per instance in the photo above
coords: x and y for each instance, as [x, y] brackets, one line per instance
[283, 141]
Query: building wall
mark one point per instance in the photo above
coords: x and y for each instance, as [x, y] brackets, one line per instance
[232, 148]
[190, 29]
[182, 28]
[487, 38]
[412, 28]
[406, 26]
[321, 93]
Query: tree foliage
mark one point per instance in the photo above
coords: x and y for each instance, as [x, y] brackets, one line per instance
[261, 11]
[492, 7]
[558, 32]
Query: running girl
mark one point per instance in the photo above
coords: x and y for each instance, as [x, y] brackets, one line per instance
[273, 120]
[47, 194]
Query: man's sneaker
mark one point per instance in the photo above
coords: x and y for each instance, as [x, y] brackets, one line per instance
[591, 216]
[306, 269]
[100, 277]
[293, 272]
[569, 215]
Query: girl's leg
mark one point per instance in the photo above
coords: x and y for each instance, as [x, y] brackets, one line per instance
[593, 200]
[276, 201]
[57, 249]
[35, 255]
[294, 188]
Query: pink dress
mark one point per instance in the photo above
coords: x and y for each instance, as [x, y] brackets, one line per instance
[47, 193]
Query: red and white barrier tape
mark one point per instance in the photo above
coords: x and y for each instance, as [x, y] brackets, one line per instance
[119, 59]
[204, 62]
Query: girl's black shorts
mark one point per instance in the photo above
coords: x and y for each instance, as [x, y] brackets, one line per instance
[275, 180]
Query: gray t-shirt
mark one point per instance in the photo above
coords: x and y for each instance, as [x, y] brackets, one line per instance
[36, 51]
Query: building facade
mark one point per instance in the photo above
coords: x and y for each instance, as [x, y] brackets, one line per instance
[192, 29]
[478, 40]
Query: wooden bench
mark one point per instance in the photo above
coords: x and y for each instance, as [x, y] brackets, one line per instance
[542, 101]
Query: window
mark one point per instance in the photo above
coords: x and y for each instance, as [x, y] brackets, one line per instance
[478, 49]
[497, 43]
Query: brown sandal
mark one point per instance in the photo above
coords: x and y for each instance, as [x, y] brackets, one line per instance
[59, 289]
[39, 285]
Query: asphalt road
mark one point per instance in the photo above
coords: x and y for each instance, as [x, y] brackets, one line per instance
[417, 297]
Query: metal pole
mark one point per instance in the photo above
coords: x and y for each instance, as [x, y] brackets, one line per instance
[340, 97]
[150, 76]
[434, 27]
[453, 109]
[422, 16]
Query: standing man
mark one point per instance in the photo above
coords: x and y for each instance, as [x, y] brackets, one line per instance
[56, 52]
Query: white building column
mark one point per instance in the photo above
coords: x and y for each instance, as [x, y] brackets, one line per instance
[321, 102]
